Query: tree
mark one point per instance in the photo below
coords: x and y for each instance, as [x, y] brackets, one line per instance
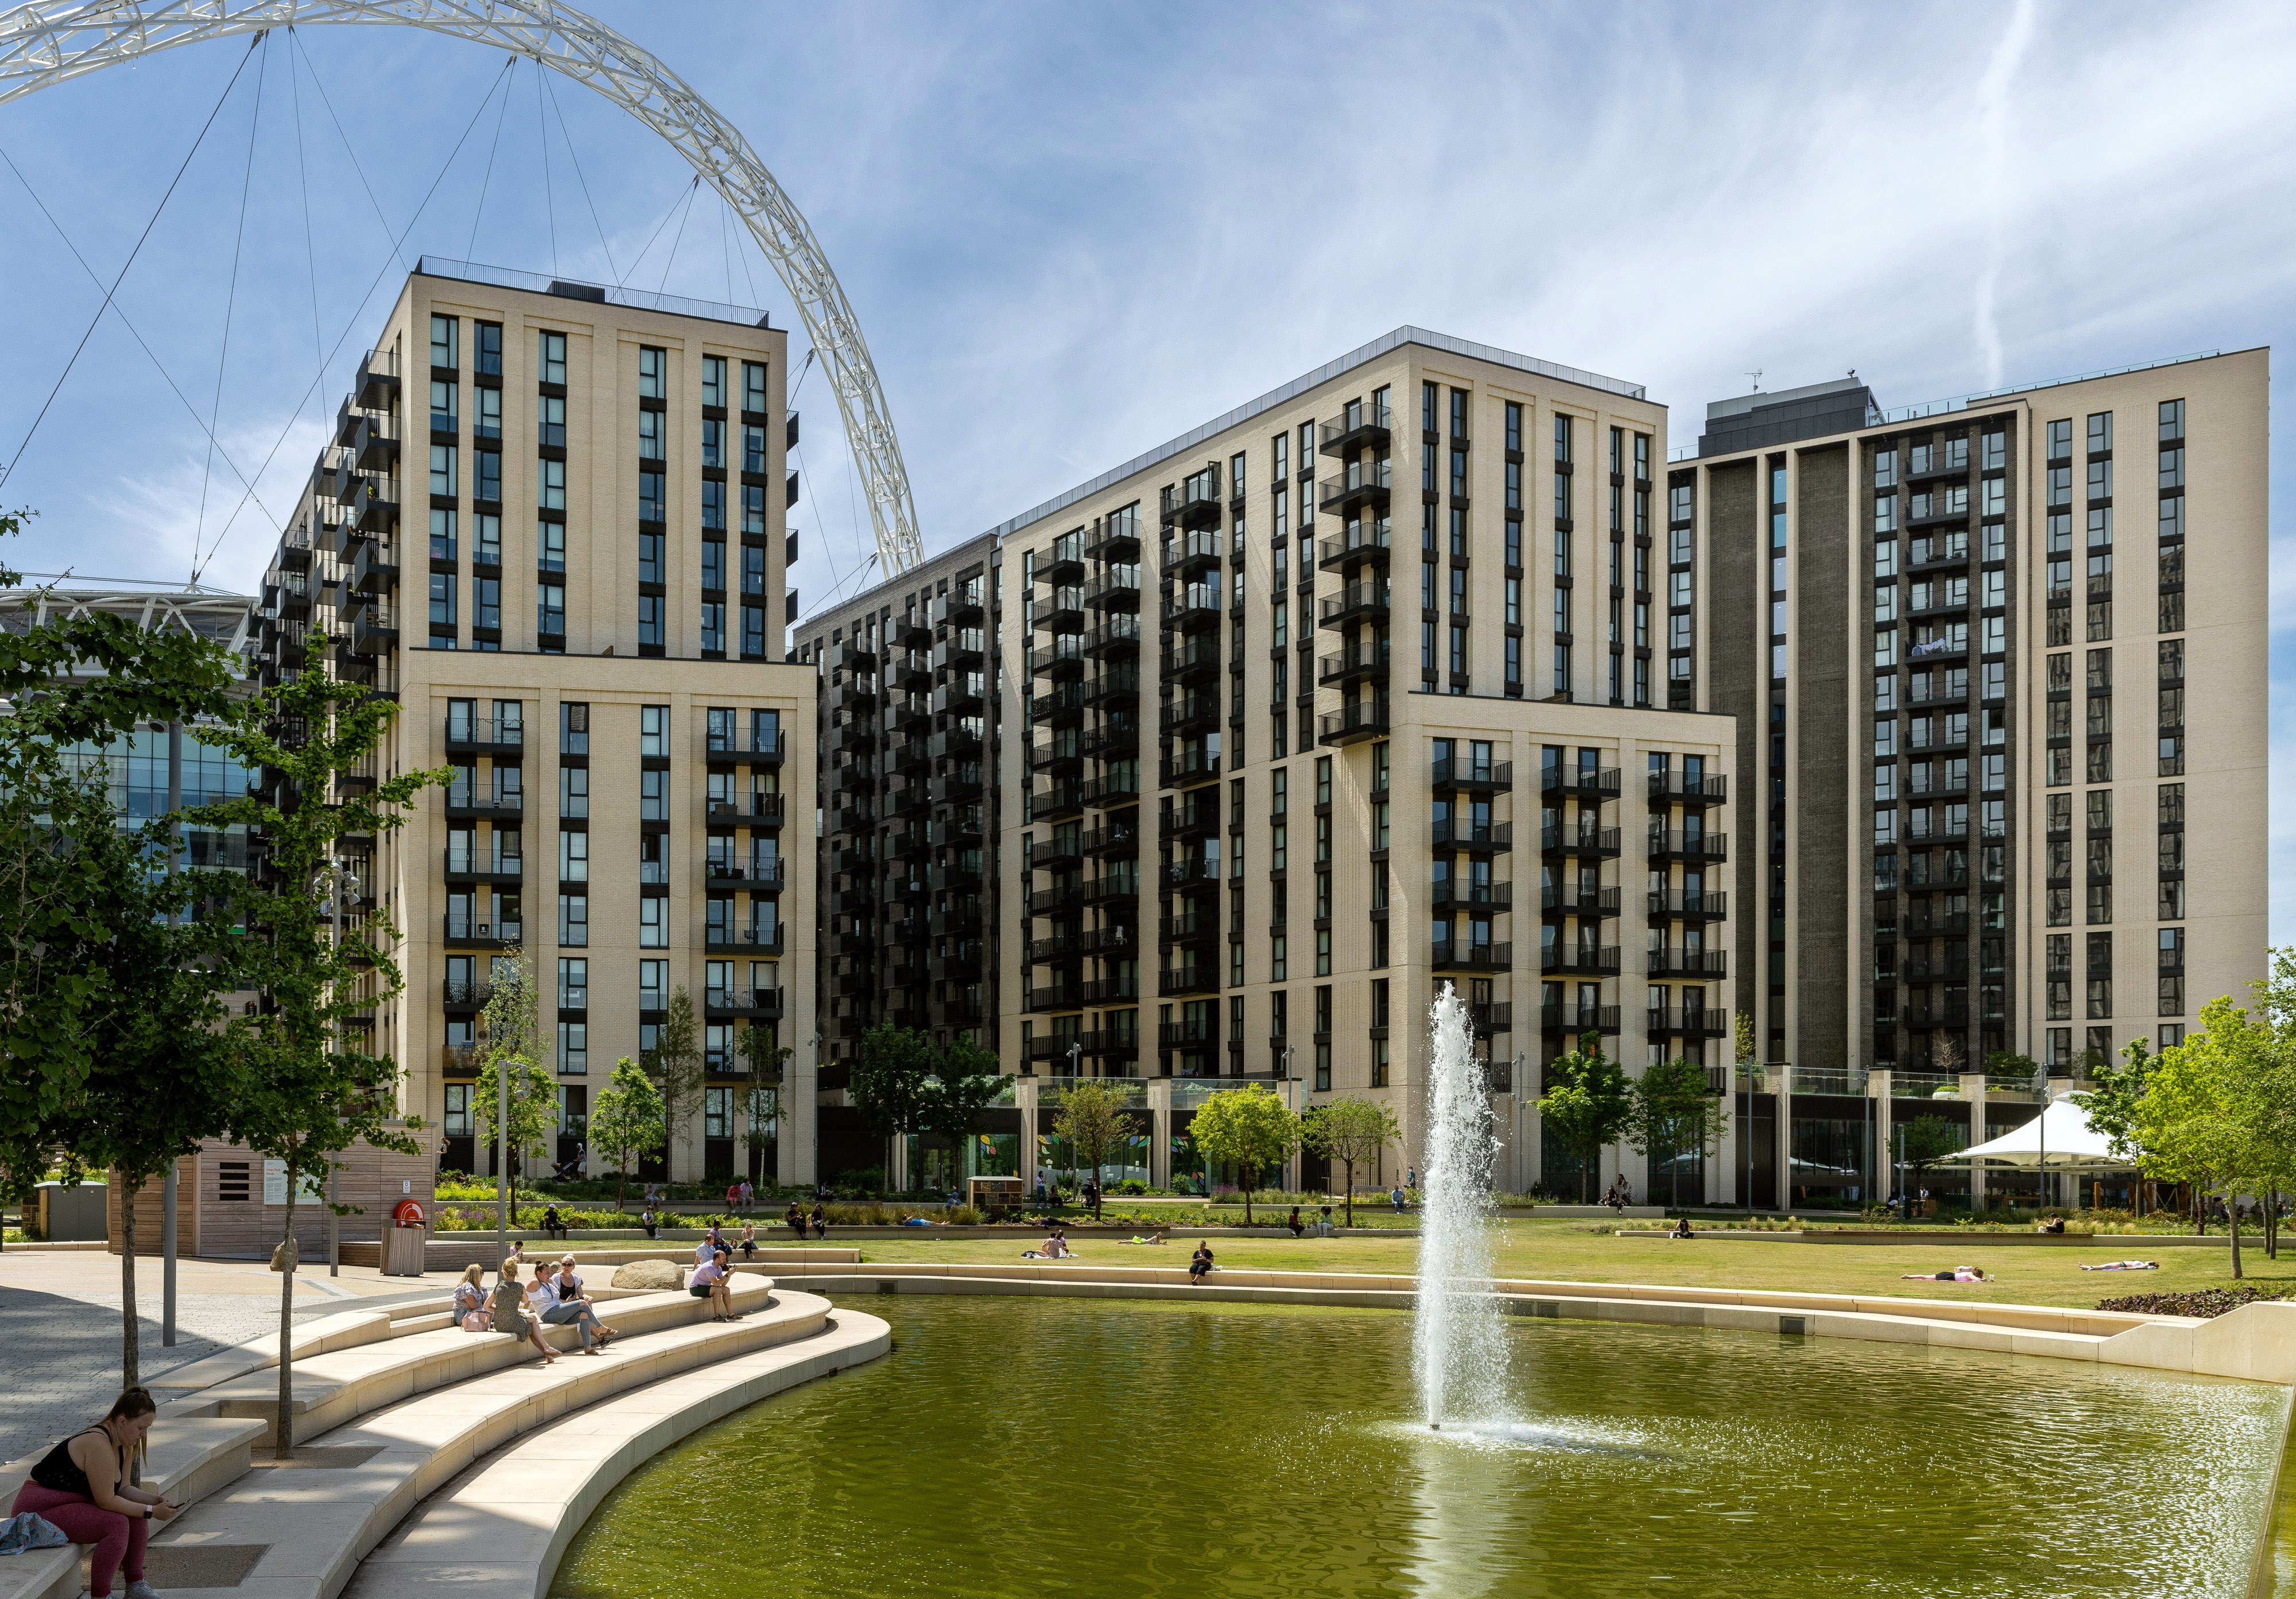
[1250, 1130]
[1353, 1132]
[309, 1088]
[964, 1083]
[1924, 1142]
[1589, 1103]
[626, 1122]
[892, 1082]
[675, 1063]
[1672, 1111]
[2213, 1111]
[161, 1080]
[516, 1055]
[764, 1062]
[73, 675]
[1952, 1054]
[1092, 1119]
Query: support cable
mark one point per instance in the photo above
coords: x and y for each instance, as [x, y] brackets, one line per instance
[9, 470]
[230, 302]
[485, 183]
[575, 156]
[351, 149]
[134, 332]
[542, 134]
[359, 309]
[672, 211]
[691, 189]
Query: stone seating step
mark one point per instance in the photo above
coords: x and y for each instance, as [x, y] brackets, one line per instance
[313, 1527]
[331, 1388]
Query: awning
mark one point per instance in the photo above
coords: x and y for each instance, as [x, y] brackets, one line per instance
[2059, 1138]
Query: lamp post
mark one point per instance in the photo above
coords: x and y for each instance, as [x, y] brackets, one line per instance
[167, 1194]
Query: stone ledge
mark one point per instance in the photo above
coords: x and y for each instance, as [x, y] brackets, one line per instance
[523, 1507]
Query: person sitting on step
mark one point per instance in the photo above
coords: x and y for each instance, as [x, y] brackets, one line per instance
[81, 1486]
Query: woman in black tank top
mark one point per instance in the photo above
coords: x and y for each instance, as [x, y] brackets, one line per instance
[81, 1486]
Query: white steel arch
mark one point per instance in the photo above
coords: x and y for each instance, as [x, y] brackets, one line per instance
[52, 41]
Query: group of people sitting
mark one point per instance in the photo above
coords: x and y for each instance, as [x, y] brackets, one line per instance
[554, 1296]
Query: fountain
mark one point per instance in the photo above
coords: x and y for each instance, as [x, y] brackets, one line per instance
[1458, 1348]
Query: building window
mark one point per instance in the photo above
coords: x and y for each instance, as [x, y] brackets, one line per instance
[552, 351]
[574, 921]
[654, 928]
[753, 387]
[653, 504]
[573, 1048]
[550, 614]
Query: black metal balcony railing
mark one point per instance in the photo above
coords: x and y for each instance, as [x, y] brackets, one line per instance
[1356, 602]
[1190, 553]
[484, 735]
[1457, 894]
[1353, 664]
[1455, 834]
[1587, 782]
[1688, 962]
[1672, 787]
[1360, 425]
[463, 801]
[1587, 959]
[1358, 721]
[1484, 777]
[1688, 908]
[1569, 900]
[1460, 955]
[464, 994]
[1191, 766]
[468, 930]
[1578, 1019]
[763, 1003]
[1361, 541]
[1364, 483]
[1670, 843]
[1687, 1023]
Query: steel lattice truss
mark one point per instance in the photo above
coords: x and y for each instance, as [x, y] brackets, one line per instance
[51, 43]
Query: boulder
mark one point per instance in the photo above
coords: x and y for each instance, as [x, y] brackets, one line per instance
[649, 1273]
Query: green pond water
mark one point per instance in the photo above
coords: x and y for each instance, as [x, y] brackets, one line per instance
[1041, 1448]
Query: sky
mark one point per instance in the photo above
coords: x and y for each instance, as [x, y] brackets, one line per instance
[1070, 233]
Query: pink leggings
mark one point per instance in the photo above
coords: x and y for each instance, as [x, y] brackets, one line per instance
[115, 1537]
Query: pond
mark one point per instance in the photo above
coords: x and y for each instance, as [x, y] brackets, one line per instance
[1037, 1447]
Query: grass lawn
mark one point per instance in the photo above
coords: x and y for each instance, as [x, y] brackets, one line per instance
[1561, 1251]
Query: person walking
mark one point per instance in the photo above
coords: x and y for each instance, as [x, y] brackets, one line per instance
[81, 1488]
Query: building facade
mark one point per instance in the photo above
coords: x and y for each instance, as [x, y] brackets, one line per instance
[579, 617]
[2036, 621]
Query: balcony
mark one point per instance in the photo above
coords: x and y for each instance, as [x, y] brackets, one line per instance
[1361, 720]
[484, 735]
[469, 867]
[1059, 756]
[1197, 659]
[1362, 484]
[377, 383]
[1112, 891]
[1112, 1043]
[1191, 553]
[962, 697]
[1672, 787]
[1586, 783]
[1179, 771]
[1688, 963]
[374, 571]
[1449, 955]
[1187, 1034]
[1116, 686]
[748, 939]
[1062, 703]
[1196, 926]
[1063, 563]
[954, 788]
[1189, 821]
[1710, 1023]
[1361, 424]
[1454, 895]
[368, 510]
[1187, 979]
[1108, 792]
[1672, 844]
[1061, 852]
[961, 607]
[1487, 777]
[1194, 713]
[1569, 900]
[1194, 504]
[759, 877]
[1117, 539]
[1355, 664]
[1061, 996]
[1573, 1019]
[1058, 802]
[1118, 636]
[763, 810]
[1114, 990]
[849, 738]
[1579, 960]
[758, 1004]
[1356, 603]
[954, 743]
[1192, 876]
[1109, 739]
[1102, 843]
[962, 650]
[1688, 908]
[461, 996]
[462, 801]
[1360, 542]
[1196, 609]
[465, 933]
[1489, 1019]
[1062, 613]
[1117, 589]
[1481, 838]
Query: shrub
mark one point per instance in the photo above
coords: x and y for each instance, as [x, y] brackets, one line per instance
[2206, 1302]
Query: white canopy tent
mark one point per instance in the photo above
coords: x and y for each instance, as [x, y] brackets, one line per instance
[2059, 1139]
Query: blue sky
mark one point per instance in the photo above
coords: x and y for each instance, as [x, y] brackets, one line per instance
[1072, 232]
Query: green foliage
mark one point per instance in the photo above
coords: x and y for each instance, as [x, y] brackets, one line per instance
[1743, 1027]
[1353, 1132]
[765, 1060]
[1248, 1128]
[1093, 1120]
[676, 1063]
[516, 1053]
[311, 1089]
[1671, 1111]
[1588, 1102]
[1924, 1142]
[964, 1082]
[888, 1083]
[627, 1122]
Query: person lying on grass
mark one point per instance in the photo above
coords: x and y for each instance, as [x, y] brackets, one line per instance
[1959, 1273]
[2125, 1265]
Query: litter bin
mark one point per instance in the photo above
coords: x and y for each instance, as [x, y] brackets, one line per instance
[403, 1240]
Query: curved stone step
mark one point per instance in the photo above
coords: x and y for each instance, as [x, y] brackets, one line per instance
[313, 1527]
